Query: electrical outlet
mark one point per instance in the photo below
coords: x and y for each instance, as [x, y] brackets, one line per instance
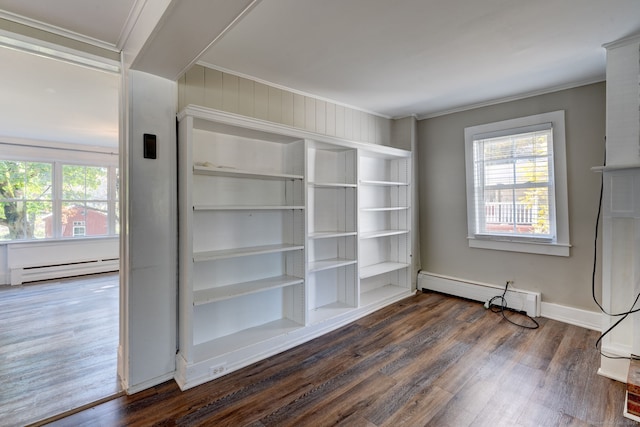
[215, 371]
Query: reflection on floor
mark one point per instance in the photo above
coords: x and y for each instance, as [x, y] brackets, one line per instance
[58, 346]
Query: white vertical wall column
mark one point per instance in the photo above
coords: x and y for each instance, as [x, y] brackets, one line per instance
[150, 233]
[621, 206]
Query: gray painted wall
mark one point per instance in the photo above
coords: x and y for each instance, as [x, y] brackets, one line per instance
[443, 222]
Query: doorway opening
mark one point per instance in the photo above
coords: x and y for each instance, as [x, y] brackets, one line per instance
[59, 233]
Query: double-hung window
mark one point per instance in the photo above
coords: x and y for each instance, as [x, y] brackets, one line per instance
[74, 194]
[516, 185]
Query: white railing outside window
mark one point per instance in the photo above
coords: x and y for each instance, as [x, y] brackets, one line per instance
[509, 213]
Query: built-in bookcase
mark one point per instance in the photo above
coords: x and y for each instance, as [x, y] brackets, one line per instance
[332, 227]
[384, 226]
[283, 236]
[242, 234]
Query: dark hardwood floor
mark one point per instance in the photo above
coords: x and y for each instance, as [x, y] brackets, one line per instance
[58, 346]
[427, 360]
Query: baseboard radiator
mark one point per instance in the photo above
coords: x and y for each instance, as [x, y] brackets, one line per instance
[32, 261]
[517, 299]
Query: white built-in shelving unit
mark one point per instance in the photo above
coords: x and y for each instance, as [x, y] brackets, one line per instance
[384, 225]
[283, 236]
[332, 279]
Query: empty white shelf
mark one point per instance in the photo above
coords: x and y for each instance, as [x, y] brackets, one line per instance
[244, 338]
[239, 173]
[384, 209]
[330, 234]
[332, 185]
[240, 252]
[327, 264]
[206, 296]
[375, 296]
[383, 183]
[381, 268]
[381, 233]
[328, 311]
[245, 208]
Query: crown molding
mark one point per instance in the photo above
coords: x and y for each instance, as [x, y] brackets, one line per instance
[130, 23]
[58, 31]
[513, 98]
[622, 42]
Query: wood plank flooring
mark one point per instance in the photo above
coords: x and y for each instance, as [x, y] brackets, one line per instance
[429, 360]
[58, 346]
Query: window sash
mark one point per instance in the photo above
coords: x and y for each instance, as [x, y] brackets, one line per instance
[521, 176]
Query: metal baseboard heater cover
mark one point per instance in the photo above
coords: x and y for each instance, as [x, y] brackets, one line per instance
[517, 299]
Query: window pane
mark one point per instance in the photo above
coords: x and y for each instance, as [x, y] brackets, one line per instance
[22, 186]
[38, 181]
[541, 144]
[22, 220]
[73, 214]
[73, 182]
[500, 212]
[523, 145]
[97, 180]
[532, 170]
[497, 148]
[84, 182]
[12, 177]
[12, 221]
[536, 201]
[79, 219]
[97, 219]
[39, 220]
[525, 211]
[499, 173]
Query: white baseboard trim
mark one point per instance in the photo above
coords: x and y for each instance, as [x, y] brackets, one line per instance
[32, 274]
[517, 299]
[133, 389]
[615, 369]
[574, 316]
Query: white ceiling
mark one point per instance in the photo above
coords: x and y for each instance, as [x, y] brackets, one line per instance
[49, 100]
[422, 57]
[394, 58]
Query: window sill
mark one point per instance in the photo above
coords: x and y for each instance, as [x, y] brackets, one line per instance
[555, 249]
[59, 241]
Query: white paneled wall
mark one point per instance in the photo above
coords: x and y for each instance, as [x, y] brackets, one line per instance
[623, 98]
[226, 92]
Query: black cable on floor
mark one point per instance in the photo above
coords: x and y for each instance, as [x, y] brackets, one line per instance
[500, 308]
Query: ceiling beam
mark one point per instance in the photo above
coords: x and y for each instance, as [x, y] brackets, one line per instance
[184, 32]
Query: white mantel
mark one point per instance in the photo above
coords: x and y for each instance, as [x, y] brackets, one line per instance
[621, 206]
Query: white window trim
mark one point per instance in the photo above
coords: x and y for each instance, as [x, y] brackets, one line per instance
[561, 245]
